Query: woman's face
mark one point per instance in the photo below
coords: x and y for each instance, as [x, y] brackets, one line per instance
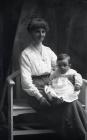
[38, 35]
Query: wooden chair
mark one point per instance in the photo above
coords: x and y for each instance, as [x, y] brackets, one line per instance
[19, 106]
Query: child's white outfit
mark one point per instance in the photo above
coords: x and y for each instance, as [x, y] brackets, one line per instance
[61, 86]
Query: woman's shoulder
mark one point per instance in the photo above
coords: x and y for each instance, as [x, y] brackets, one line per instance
[46, 47]
[26, 51]
[49, 50]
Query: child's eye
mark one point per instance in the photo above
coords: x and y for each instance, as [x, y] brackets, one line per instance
[64, 65]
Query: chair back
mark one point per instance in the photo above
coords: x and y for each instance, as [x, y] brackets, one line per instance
[83, 93]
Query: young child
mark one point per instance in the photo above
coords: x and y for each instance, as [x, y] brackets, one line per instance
[65, 82]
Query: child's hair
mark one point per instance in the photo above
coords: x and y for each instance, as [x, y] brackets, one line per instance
[63, 56]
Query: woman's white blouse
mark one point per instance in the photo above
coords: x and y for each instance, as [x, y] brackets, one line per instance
[34, 63]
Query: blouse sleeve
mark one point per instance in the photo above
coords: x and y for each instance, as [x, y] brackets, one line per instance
[26, 79]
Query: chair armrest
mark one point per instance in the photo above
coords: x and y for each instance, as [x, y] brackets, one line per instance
[85, 81]
[10, 78]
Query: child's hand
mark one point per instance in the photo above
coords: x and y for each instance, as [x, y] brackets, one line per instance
[52, 97]
[71, 78]
[49, 92]
[77, 87]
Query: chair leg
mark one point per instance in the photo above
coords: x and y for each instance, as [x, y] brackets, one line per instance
[10, 127]
[10, 113]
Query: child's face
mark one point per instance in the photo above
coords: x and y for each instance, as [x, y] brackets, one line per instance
[63, 66]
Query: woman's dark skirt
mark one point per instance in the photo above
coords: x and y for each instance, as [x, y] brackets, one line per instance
[69, 120]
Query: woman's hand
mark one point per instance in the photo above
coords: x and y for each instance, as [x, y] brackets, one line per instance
[44, 102]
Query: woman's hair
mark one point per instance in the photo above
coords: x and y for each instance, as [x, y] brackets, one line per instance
[63, 56]
[36, 23]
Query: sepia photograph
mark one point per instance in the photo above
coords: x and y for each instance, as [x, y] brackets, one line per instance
[43, 69]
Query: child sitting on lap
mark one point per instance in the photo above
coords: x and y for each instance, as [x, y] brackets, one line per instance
[65, 82]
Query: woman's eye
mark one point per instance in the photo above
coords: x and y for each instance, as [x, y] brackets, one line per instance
[39, 32]
[43, 32]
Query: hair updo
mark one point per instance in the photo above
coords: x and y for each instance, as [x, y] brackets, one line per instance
[36, 23]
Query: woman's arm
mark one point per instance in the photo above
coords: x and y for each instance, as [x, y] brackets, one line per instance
[26, 79]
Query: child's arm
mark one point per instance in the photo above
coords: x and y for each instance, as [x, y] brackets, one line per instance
[77, 87]
[78, 81]
[71, 78]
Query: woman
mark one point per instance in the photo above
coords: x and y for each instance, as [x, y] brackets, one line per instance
[36, 63]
